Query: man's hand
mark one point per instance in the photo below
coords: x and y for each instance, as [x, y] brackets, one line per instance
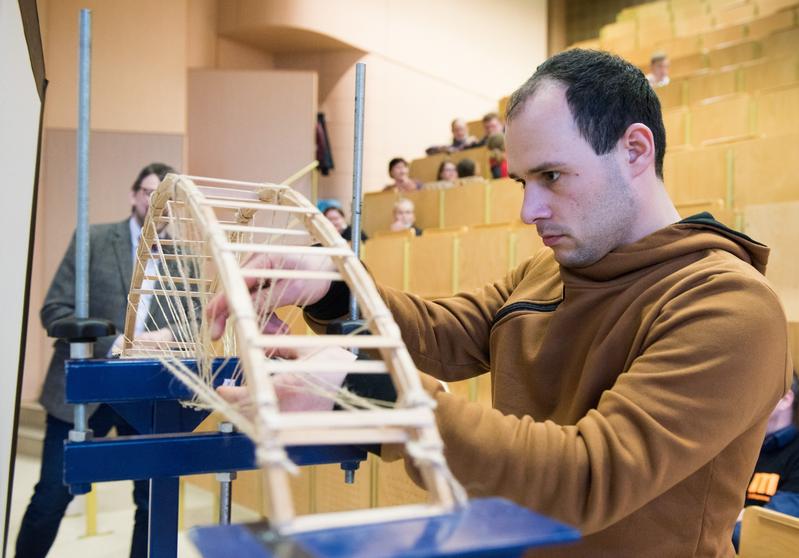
[297, 392]
[269, 294]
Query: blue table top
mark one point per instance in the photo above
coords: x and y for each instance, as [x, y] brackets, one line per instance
[491, 527]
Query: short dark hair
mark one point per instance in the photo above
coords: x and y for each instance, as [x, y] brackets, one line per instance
[394, 162]
[606, 94]
[158, 169]
[465, 168]
[336, 209]
[658, 57]
[490, 116]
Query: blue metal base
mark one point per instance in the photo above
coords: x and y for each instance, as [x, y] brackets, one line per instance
[484, 528]
[147, 396]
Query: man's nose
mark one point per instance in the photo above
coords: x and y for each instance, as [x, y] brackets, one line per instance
[534, 205]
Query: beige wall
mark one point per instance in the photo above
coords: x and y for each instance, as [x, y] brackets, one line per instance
[486, 47]
[251, 125]
[138, 64]
[427, 63]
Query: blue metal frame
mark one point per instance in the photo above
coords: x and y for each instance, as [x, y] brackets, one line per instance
[148, 396]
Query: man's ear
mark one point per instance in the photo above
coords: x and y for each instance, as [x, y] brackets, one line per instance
[639, 148]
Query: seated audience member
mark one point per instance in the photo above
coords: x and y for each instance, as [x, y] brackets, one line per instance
[466, 168]
[460, 136]
[335, 214]
[492, 125]
[399, 170]
[658, 75]
[404, 217]
[775, 484]
[447, 171]
[496, 151]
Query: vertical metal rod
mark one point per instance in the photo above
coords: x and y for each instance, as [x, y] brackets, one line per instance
[82, 229]
[225, 483]
[357, 172]
[225, 494]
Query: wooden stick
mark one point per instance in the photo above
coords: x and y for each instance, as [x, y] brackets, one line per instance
[265, 230]
[314, 341]
[321, 366]
[290, 274]
[289, 249]
[252, 205]
[403, 418]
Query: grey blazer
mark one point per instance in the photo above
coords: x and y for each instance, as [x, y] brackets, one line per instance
[110, 270]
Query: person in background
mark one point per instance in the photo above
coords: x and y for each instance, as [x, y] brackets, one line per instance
[335, 214]
[113, 252]
[658, 75]
[496, 148]
[775, 483]
[399, 170]
[404, 217]
[447, 171]
[466, 168]
[492, 125]
[460, 136]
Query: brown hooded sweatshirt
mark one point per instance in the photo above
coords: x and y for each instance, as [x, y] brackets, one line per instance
[630, 396]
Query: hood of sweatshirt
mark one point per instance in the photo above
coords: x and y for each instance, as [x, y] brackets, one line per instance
[694, 234]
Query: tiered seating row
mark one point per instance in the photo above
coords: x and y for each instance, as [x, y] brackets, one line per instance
[425, 169]
[444, 261]
[733, 117]
[747, 77]
[478, 202]
[761, 170]
[685, 28]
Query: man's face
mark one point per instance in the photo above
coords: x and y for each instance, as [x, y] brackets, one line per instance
[579, 201]
[140, 199]
[399, 172]
[459, 130]
[336, 219]
[449, 171]
[492, 126]
[660, 69]
[404, 213]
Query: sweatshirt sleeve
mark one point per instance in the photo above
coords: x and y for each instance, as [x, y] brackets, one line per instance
[446, 337]
[713, 366]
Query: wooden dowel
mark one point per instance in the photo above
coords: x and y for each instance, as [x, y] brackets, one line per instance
[323, 435]
[263, 206]
[264, 230]
[322, 366]
[179, 280]
[288, 249]
[234, 182]
[291, 274]
[335, 421]
[170, 292]
[314, 341]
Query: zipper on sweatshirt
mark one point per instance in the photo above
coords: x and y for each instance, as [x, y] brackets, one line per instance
[525, 306]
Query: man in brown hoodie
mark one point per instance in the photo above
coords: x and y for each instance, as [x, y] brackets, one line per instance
[634, 363]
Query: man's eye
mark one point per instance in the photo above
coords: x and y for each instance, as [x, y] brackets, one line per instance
[550, 176]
